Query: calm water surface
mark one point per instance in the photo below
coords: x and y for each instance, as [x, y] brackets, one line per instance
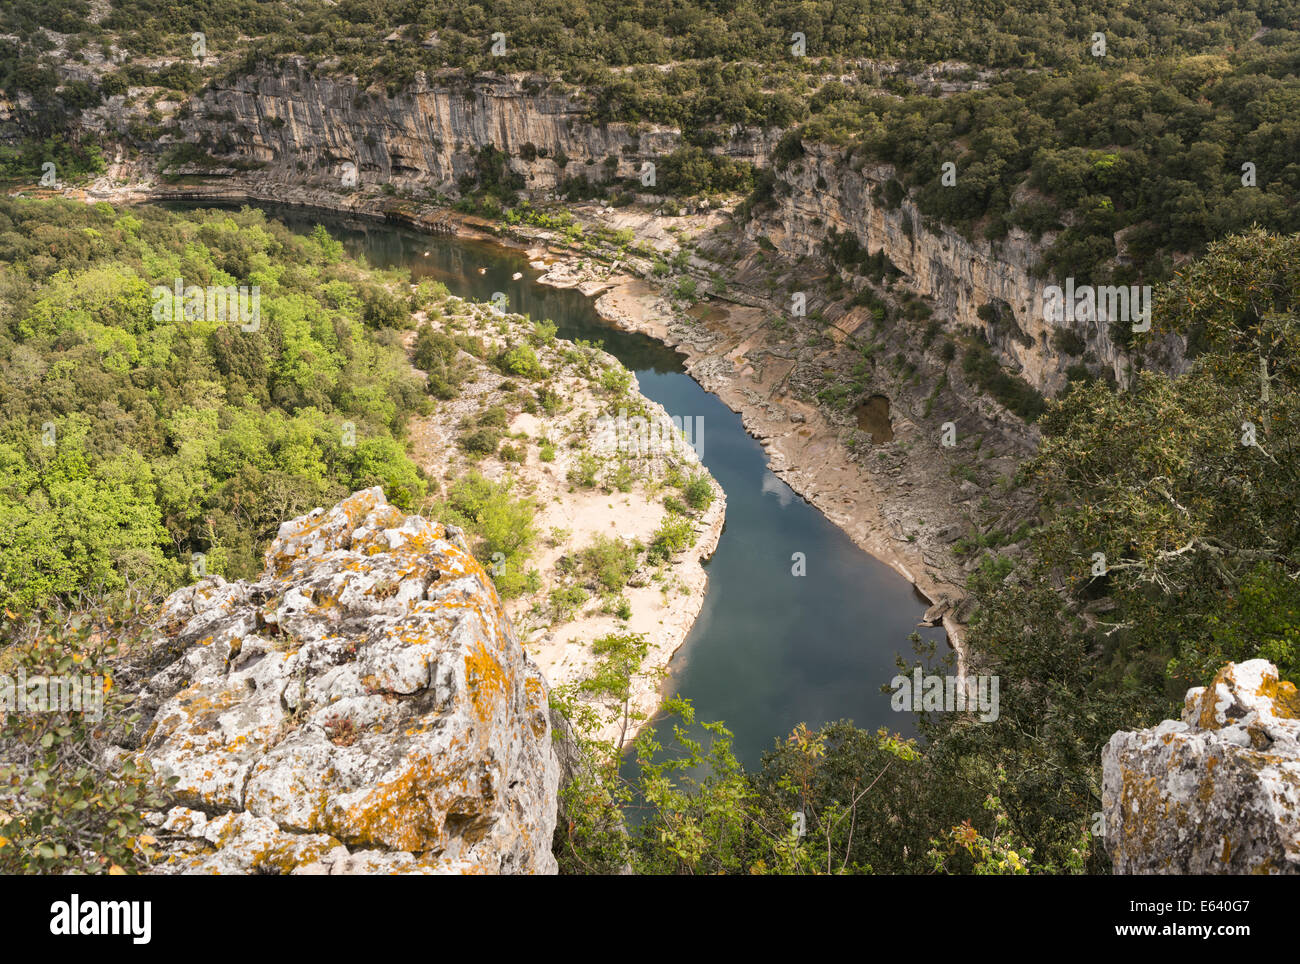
[770, 650]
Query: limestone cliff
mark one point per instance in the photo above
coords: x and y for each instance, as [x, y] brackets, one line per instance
[823, 190]
[1218, 792]
[363, 707]
[300, 126]
[304, 126]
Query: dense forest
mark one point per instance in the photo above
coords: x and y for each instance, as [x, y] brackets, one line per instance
[131, 442]
[556, 35]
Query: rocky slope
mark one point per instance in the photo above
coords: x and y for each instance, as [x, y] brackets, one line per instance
[303, 125]
[824, 190]
[362, 707]
[1218, 791]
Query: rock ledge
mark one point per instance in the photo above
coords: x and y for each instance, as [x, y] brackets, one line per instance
[1218, 792]
[362, 707]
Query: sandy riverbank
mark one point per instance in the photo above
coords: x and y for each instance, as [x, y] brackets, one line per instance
[662, 601]
[802, 445]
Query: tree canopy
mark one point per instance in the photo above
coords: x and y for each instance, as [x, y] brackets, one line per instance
[129, 443]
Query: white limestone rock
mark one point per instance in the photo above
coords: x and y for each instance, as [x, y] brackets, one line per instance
[363, 707]
[1219, 791]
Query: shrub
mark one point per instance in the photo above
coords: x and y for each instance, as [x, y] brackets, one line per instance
[495, 416]
[383, 309]
[609, 562]
[1078, 372]
[481, 441]
[616, 381]
[543, 333]
[674, 534]
[621, 656]
[621, 478]
[1066, 341]
[549, 400]
[674, 504]
[68, 810]
[566, 600]
[472, 345]
[612, 605]
[501, 527]
[699, 492]
[435, 353]
[583, 474]
[1011, 390]
[522, 360]
[442, 387]
[433, 349]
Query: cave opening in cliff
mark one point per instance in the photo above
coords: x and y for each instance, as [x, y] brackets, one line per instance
[873, 417]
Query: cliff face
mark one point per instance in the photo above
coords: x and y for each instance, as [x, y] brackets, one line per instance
[305, 127]
[822, 190]
[362, 707]
[1218, 792]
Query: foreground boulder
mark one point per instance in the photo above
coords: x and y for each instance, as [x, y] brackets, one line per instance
[362, 707]
[1218, 792]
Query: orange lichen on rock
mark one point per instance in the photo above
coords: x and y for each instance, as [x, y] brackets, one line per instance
[486, 679]
[366, 615]
[1284, 696]
[399, 813]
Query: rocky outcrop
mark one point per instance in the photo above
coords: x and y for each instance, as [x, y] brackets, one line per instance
[823, 189]
[1218, 792]
[362, 707]
[305, 126]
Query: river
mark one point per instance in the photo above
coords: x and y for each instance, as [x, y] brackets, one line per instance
[770, 649]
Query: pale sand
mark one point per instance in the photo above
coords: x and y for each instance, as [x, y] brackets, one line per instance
[563, 651]
[806, 455]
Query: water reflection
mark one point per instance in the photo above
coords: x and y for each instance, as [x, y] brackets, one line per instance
[771, 648]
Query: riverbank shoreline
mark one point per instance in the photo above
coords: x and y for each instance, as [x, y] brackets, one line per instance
[662, 601]
[802, 445]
